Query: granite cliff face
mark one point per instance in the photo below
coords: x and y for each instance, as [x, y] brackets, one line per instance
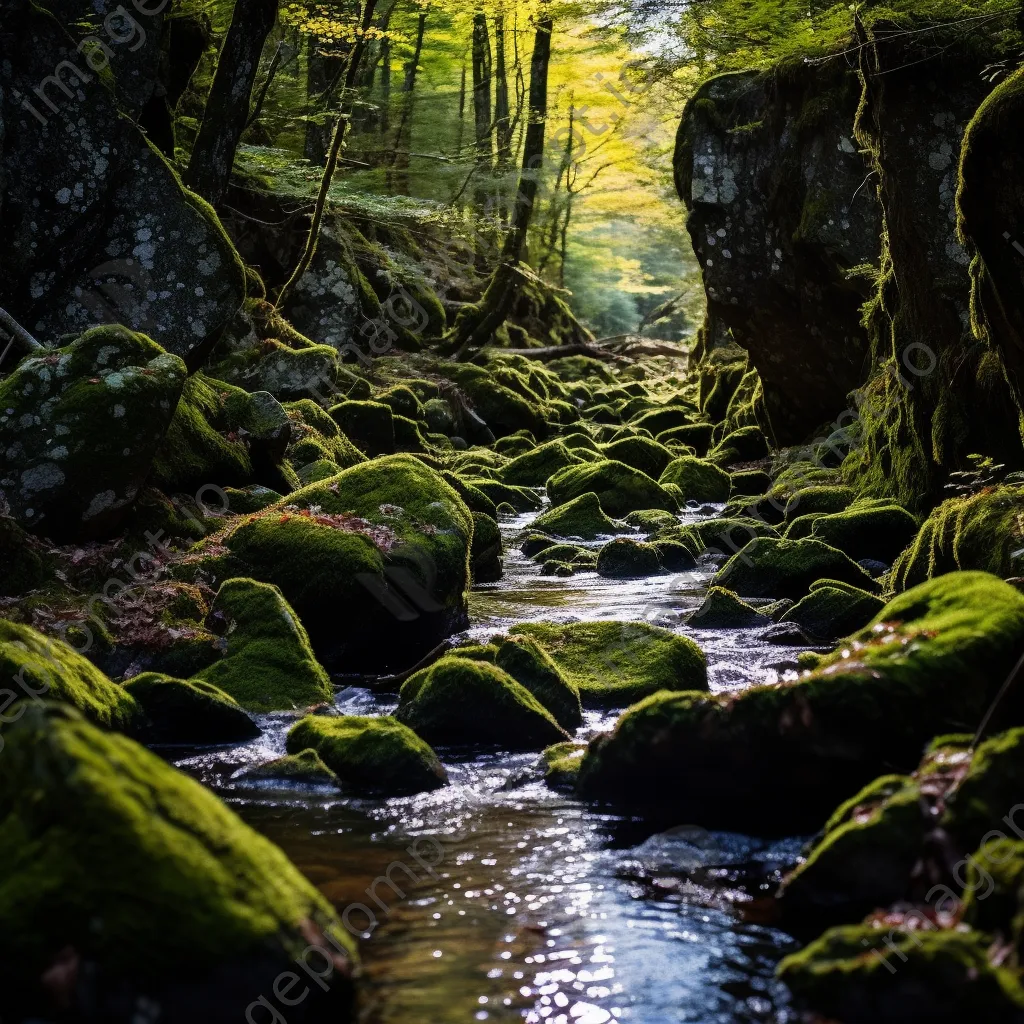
[823, 206]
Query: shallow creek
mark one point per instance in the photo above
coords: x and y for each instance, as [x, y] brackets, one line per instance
[538, 907]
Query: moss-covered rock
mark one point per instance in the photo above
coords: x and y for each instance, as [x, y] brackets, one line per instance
[502, 409]
[85, 812]
[614, 664]
[485, 553]
[316, 435]
[79, 427]
[650, 520]
[187, 711]
[268, 664]
[246, 500]
[754, 482]
[625, 558]
[34, 666]
[530, 665]
[461, 701]
[877, 533]
[722, 609]
[696, 435]
[382, 548]
[930, 662]
[982, 531]
[370, 425]
[820, 499]
[786, 568]
[862, 864]
[641, 453]
[657, 421]
[522, 499]
[747, 444]
[863, 974]
[720, 536]
[306, 768]
[831, 612]
[376, 754]
[532, 468]
[698, 479]
[553, 567]
[561, 764]
[581, 517]
[573, 553]
[620, 488]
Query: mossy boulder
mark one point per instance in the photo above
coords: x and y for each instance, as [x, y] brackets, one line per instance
[532, 468]
[316, 435]
[530, 665]
[268, 664]
[718, 537]
[641, 453]
[625, 558]
[187, 711]
[402, 401]
[370, 754]
[502, 409]
[696, 435]
[246, 500]
[581, 517]
[573, 553]
[553, 567]
[722, 609]
[619, 488]
[778, 759]
[786, 568]
[485, 552]
[657, 421]
[79, 428]
[614, 664]
[462, 701]
[383, 548]
[698, 479]
[87, 816]
[876, 533]
[369, 425]
[522, 499]
[864, 862]
[650, 520]
[820, 499]
[561, 764]
[747, 444]
[866, 974]
[832, 612]
[306, 768]
[34, 666]
[474, 498]
[754, 482]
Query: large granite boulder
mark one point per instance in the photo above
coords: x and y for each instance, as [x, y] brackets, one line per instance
[97, 227]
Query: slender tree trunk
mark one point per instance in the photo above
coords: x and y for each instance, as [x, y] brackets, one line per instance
[403, 136]
[321, 74]
[227, 108]
[482, 88]
[476, 324]
[502, 119]
[462, 110]
[556, 207]
[385, 87]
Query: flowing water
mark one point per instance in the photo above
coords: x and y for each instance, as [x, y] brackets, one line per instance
[510, 902]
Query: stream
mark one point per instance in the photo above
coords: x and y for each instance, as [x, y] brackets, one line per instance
[518, 903]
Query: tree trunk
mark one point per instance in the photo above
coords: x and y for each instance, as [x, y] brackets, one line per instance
[403, 136]
[477, 323]
[462, 110]
[227, 108]
[321, 73]
[482, 88]
[502, 120]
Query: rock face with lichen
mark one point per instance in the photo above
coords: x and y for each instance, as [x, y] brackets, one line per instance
[785, 228]
[97, 227]
[79, 427]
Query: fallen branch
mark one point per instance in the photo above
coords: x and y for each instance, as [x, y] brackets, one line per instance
[18, 333]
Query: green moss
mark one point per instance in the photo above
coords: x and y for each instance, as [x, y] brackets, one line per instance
[532, 468]
[747, 444]
[36, 666]
[370, 425]
[722, 609]
[288, 374]
[85, 811]
[535, 543]
[718, 536]
[311, 424]
[485, 552]
[571, 553]
[818, 499]
[697, 479]
[322, 469]
[520, 498]
[305, 768]
[461, 701]
[377, 754]
[640, 453]
[862, 864]
[750, 481]
[580, 368]
[530, 665]
[650, 520]
[696, 435]
[994, 893]
[474, 498]
[620, 488]
[268, 664]
[983, 531]
[864, 973]
[786, 568]
[625, 558]
[581, 517]
[929, 663]
[250, 499]
[561, 763]
[501, 409]
[830, 613]
[878, 533]
[476, 652]
[402, 401]
[616, 663]
[659, 420]
[552, 567]
[187, 711]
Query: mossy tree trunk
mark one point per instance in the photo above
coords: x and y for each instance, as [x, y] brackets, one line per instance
[477, 323]
[227, 107]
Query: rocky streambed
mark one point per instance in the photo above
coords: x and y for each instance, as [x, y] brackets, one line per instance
[498, 897]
